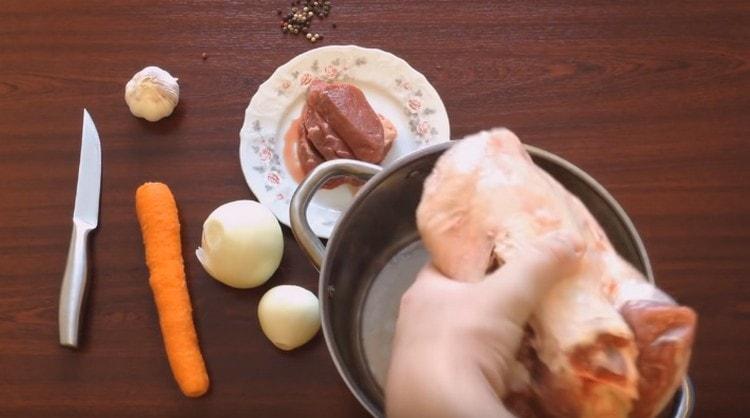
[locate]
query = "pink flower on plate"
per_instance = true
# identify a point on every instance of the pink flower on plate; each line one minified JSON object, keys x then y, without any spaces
{"x":331,"y":72}
{"x":423,"y":128}
{"x":414,"y":105}
{"x":279,"y":196}
{"x":286,"y":84}
{"x":406,"y":85}
{"x":305,"y":79}
{"x":265,"y":153}
{"x":273,"y":177}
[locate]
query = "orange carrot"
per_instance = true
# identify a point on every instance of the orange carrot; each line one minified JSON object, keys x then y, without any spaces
{"x":157,"y":214}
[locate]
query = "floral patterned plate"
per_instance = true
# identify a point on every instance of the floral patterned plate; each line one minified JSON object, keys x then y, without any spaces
{"x":393,"y":88}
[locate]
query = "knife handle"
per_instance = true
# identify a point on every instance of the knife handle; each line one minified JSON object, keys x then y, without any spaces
{"x":73,"y":286}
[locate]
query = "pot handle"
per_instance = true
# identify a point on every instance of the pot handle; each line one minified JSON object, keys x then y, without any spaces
{"x":305,"y":236}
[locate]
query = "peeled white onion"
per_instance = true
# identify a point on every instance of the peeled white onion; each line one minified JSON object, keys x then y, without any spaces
{"x":289,"y":316}
{"x":241,"y":245}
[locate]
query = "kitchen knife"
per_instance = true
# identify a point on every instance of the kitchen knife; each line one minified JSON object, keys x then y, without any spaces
{"x":85,"y":220}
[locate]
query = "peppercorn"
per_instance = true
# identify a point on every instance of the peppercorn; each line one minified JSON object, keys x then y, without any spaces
{"x":302,"y":14}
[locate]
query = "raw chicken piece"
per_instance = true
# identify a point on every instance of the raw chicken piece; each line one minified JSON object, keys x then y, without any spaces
{"x":485,"y":199}
{"x":664,"y":335}
{"x":483,"y":204}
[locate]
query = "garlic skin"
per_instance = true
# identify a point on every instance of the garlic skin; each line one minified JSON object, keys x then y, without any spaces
{"x":152,"y":94}
{"x":289,"y":316}
{"x":242,"y":244}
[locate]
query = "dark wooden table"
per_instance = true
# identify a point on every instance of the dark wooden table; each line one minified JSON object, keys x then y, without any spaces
{"x":650,"y":97}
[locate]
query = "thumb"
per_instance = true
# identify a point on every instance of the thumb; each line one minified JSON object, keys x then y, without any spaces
{"x":520,"y":284}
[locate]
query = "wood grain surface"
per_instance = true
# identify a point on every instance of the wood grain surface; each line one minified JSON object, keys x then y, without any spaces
{"x":650,"y":97}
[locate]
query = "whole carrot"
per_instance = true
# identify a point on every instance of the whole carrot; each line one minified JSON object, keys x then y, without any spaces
{"x":157,"y":214}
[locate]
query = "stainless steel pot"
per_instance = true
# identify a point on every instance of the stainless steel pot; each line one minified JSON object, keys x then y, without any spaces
{"x":374,"y":253}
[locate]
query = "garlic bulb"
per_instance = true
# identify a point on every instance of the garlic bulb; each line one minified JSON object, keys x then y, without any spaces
{"x":289,"y":316}
{"x":242,"y":244}
{"x":152,"y":94}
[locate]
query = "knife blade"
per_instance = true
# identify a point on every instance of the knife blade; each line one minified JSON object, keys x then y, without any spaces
{"x":85,"y":220}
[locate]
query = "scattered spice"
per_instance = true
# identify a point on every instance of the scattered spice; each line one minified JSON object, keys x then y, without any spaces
{"x":300,"y":17}
{"x":204,"y":56}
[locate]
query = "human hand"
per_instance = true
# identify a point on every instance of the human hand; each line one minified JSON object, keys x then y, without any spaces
{"x":456,"y":342}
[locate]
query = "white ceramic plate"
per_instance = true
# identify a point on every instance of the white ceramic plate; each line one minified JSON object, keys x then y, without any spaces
{"x":391,"y":85}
